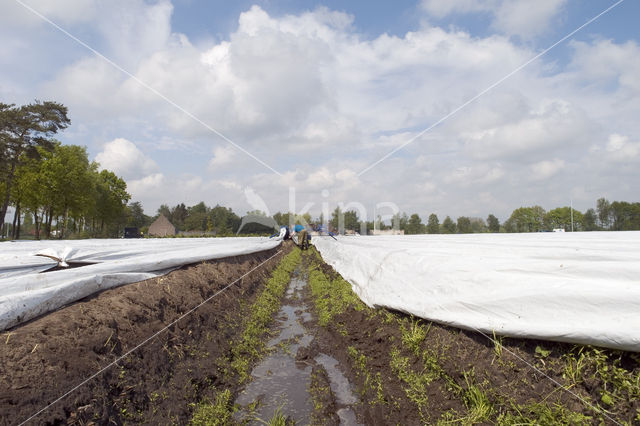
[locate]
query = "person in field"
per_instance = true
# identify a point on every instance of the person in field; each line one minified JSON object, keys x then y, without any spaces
{"x":303,"y":237}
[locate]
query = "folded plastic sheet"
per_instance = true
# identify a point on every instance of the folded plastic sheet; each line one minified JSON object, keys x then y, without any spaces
{"x":568,"y":287}
{"x":27,"y":290}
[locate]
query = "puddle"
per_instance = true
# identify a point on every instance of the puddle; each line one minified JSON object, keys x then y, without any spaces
{"x":291,"y":327}
{"x":280,"y":382}
{"x":341,"y":388}
{"x":339,"y":384}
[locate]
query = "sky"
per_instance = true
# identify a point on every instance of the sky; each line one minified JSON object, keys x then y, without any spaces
{"x":449,"y":107}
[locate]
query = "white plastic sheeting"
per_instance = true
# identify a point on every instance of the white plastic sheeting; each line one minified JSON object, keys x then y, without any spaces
{"x":26,"y":293}
{"x":570,"y":287}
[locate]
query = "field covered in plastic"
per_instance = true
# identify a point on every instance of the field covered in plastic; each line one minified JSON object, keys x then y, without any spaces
{"x":569,"y":287}
{"x":27,"y":290}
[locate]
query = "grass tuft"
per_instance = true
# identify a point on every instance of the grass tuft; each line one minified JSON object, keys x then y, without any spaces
{"x":216,"y":413}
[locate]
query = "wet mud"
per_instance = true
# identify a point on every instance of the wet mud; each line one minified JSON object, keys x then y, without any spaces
{"x":282,"y":382}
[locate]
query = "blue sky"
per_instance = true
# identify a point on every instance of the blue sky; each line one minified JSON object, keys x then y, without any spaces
{"x":320,"y":91}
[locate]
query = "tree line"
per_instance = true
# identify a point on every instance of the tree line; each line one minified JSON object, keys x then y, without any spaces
{"x":606,"y":216}
{"x":201,"y":219}
{"x":54,"y":189}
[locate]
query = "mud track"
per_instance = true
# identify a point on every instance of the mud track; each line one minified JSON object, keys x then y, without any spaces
{"x":46,"y":357}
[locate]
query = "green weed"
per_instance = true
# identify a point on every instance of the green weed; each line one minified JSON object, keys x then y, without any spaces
{"x":497,"y":348}
{"x":331,"y":297}
{"x":574,"y":367}
{"x":542,"y":414}
{"x":414,"y":335}
{"x":373,"y":383}
{"x":479,"y":407}
{"x":318,"y":392}
{"x":216,"y":413}
{"x":416,"y":383}
{"x":278,"y":419}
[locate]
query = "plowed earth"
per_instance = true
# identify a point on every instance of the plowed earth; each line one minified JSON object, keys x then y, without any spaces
{"x":46,"y":357}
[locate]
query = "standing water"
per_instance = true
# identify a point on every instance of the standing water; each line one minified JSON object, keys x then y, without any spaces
{"x":279,"y":382}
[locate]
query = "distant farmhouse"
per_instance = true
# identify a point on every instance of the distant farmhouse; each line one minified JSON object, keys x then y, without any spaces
{"x":162,"y":227}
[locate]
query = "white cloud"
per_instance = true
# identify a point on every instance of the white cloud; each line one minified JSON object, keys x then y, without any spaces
{"x":524,"y":18}
{"x":604,"y":61}
{"x":222,"y":156}
{"x":479,"y":174}
{"x":620,"y":149}
{"x":125,"y":159}
{"x":552,"y":127}
{"x":440,"y":9}
{"x":61,"y":11}
{"x":546,"y":168}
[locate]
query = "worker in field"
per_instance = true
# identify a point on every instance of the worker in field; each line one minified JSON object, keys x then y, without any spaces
{"x":303,"y":237}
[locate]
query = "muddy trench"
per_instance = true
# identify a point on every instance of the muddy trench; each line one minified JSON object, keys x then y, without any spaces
{"x":281,"y":383}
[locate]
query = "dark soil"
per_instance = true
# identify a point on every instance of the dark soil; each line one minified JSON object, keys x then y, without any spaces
{"x":156,"y":384}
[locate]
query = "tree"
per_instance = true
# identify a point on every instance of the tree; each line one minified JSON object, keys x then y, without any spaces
{"x":625,"y":216}
{"x":478,"y":225}
{"x":178,"y":215}
{"x":351,"y":220}
{"x":337,"y":220}
{"x":448,"y":226}
{"x":281,"y":219}
{"x":111,"y":200}
{"x":201,"y":207}
{"x":560,"y":218}
{"x":135,"y":215}
{"x":493,"y":223}
{"x":196,"y":221}
{"x":22,"y":130}
{"x":464,"y":225}
{"x":164,"y":210}
{"x":526,"y":219}
{"x":433,"y":224}
{"x":604,"y":212}
{"x":415,"y":226}
{"x":303,"y":219}
{"x":400,"y":221}
{"x":196,"y":218}
{"x":223,"y":220}
{"x":73,"y":183}
{"x":28,"y":192}
{"x":589,"y":220}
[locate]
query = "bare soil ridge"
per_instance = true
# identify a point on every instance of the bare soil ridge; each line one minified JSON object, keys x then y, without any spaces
{"x":156,"y":384}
